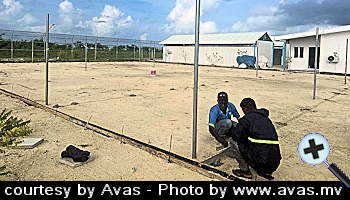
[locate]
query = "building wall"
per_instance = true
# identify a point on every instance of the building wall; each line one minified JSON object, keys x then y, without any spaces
{"x":300,"y":63}
{"x":334,"y":43}
{"x":209,"y":55}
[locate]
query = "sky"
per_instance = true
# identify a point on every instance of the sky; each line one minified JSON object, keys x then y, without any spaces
{"x":159,"y":19}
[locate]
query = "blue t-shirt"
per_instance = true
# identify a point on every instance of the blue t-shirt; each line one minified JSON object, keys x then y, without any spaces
{"x":216,"y":114}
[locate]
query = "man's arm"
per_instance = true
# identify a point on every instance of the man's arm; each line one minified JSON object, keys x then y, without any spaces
{"x":235,"y":113}
{"x":240,"y":132}
{"x":217,"y":137}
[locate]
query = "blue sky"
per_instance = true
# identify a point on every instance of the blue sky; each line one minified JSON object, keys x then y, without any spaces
{"x":158,"y":19}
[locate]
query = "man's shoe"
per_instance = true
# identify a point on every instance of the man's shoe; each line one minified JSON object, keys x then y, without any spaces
{"x":267,"y":176}
{"x":243,"y":174}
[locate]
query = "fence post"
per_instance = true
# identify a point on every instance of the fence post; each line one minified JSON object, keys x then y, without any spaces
{"x":149,"y":53}
{"x":316,"y":63}
{"x":32,"y":50}
{"x":96,"y":49}
{"x":12,"y":46}
{"x":47,"y":61}
{"x":116,"y":51}
{"x":346,"y":60}
{"x":86,"y":51}
{"x":140,"y":52}
{"x":134,"y":51}
{"x":44,"y":48}
{"x":154,"y":51}
{"x":72,"y":50}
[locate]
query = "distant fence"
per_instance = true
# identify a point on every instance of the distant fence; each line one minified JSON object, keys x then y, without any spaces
{"x":24,"y":46}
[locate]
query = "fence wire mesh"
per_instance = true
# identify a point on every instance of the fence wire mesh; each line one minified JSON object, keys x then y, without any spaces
{"x":30,"y":47}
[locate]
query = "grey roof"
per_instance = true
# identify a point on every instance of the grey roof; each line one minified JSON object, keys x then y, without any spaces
{"x":225,"y":38}
{"x":323,"y":31}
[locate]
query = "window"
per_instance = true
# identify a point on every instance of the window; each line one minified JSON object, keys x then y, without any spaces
{"x":301,"y":53}
{"x":296,"y":52}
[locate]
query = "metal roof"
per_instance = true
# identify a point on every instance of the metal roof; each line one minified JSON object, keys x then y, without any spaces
{"x":225,"y":38}
{"x":323,"y":31}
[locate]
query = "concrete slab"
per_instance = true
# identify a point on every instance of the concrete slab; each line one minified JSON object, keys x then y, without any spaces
{"x":72,"y":164}
{"x":28,"y":143}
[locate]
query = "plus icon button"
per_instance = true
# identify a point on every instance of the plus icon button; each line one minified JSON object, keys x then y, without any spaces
{"x":314,"y":149}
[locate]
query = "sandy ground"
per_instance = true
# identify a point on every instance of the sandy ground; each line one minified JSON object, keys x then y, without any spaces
{"x":163,"y":105}
{"x":113,"y":160}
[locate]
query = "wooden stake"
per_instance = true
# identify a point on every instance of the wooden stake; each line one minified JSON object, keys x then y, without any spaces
{"x":171,"y":140}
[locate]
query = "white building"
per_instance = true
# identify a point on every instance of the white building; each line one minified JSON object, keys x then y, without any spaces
{"x":332,"y":50}
{"x":219,"y":49}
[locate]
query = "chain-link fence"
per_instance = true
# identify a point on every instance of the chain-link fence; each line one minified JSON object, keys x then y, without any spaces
{"x":30,"y":47}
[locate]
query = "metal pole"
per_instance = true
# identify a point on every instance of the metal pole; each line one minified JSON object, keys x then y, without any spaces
{"x":116,"y":51}
{"x":86,"y":51}
{"x":316,"y":64}
{"x":47,"y":61}
{"x":154,"y":54}
{"x":134,"y":51}
{"x":140,"y":52}
{"x":195,"y":88}
{"x":284,"y":56}
{"x":96,"y":50}
{"x":32,"y":50}
{"x":154,"y":51}
{"x":346,"y":59}
{"x":257,"y":59}
{"x":12,"y":46}
{"x":72,"y":50}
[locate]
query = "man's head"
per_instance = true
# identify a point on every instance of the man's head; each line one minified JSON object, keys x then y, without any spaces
{"x":248,"y":105}
{"x":222,"y":101}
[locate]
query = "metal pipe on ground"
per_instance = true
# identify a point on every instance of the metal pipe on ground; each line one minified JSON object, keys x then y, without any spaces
{"x":193,"y":165}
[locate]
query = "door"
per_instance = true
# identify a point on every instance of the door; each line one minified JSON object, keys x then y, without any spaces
{"x":312,"y":55}
{"x":277,"y":56}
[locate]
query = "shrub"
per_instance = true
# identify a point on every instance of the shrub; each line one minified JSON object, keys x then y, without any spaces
{"x":11,"y":128}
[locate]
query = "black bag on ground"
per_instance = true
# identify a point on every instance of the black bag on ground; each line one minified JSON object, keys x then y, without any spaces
{"x":76,"y":154}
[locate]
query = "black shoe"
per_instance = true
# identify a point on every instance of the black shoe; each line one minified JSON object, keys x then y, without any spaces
{"x":243,"y":174}
{"x":267,"y":176}
{"x":76,"y":154}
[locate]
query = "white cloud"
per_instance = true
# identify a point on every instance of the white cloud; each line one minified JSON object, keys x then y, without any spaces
{"x":305,"y":16}
{"x":110,"y":22}
{"x":208,"y":27}
{"x":27,"y":19}
{"x":144,"y":36}
{"x":182,"y":17}
{"x":10,"y":9}
{"x":68,"y":16}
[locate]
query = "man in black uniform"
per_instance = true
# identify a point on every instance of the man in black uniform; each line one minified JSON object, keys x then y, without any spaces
{"x":257,"y":142}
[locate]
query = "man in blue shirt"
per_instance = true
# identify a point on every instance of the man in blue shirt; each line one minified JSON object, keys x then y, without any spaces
{"x":220,"y":121}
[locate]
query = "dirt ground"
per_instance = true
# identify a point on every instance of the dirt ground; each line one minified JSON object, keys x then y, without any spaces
{"x":125,"y":98}
{"x":113,"y":160}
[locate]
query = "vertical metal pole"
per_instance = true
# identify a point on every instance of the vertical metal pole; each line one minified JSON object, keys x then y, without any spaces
{"x":96,"y":50}
{"x":284,"y":56}
{"x":195,"y":88}
{"x":86,"y":51}
{"x":12,"y":46}
{"x":47,"y":62}
{"x":316,"y":63}
{"x":346,"y":60}
{"x":116,"y":51}
{"x":45,"y":48}
{"x":154,"y":51}
{"x":257,"y":59}
{"x":134,"y":51}
{"x":72,"y":50}
{"x":140,"y":52}
{"x":154,"y":55}
{"x":32,"y":50}
{"x":149,"y":53}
